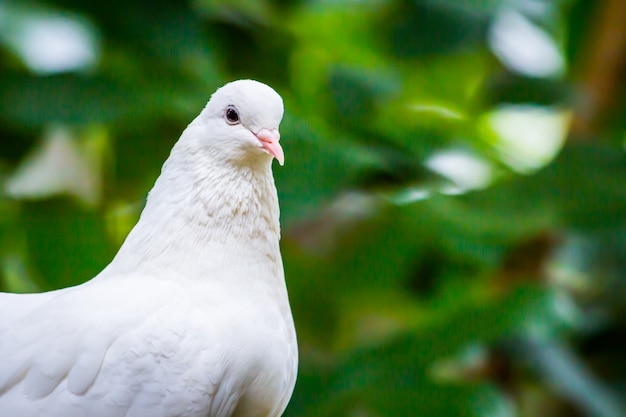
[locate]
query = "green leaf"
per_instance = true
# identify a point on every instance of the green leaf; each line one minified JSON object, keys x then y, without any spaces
{"x":418,"y":28}
{"x":583,"y":187}
{"x":67,"y":245}
{"x":66,"y":98}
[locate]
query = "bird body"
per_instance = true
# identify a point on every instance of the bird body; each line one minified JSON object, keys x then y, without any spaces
{"x":191,"y":318}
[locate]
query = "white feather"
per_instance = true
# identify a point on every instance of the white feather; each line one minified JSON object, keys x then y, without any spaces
{"x":191,"y":318}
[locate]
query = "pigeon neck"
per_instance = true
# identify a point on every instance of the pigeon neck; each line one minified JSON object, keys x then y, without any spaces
{"x":203,"y":213}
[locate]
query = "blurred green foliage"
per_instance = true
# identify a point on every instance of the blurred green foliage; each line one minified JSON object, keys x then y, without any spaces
{"x":454,"y":245}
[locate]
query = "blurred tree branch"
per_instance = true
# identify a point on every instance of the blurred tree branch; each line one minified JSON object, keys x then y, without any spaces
{"x":602,"y":70}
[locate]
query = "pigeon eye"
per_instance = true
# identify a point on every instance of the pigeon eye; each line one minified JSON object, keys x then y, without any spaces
{"x":231,"y":114}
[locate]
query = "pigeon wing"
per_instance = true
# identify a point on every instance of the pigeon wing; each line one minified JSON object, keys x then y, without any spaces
{"x":112,"y":347}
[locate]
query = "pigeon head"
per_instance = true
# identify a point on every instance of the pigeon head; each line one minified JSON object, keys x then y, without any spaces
{"x":240,"y":123}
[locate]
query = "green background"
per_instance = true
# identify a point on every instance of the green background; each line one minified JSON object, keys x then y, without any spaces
{"x":453,"y":201}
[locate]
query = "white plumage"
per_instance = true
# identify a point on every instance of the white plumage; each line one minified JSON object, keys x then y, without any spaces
{"x":191,"y":318}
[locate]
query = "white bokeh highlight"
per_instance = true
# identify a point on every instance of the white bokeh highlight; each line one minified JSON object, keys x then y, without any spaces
{"x":47,"y":42}
{"x":524,"y":47}
{"x":528,"y":137}
{"x":465,"y":169}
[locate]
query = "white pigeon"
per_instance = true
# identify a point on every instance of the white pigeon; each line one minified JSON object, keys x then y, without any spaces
{"x":191,"y":318}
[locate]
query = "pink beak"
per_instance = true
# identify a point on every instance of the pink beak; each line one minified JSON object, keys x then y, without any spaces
{"x":269,"y":141}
